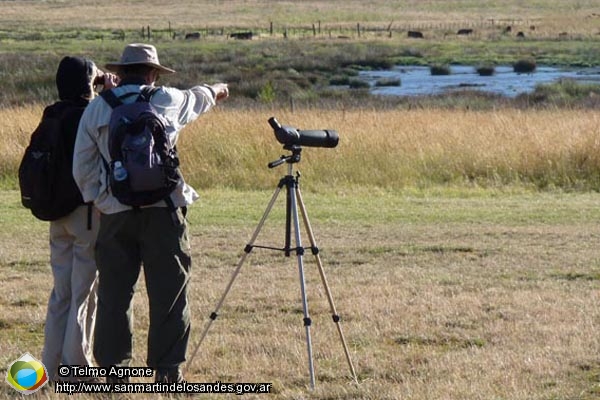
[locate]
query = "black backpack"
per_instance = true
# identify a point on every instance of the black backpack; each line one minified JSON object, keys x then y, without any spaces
{"x":144,"y":165}
{"x":46,"y":170}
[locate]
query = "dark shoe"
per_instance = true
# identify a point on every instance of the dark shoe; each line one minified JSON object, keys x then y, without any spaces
{"x":168,"y":375}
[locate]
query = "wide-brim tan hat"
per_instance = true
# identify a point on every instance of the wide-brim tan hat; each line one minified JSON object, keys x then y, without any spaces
{"x":139,"y":53}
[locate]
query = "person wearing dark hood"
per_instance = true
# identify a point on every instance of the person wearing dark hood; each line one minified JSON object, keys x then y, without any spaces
{"x":72,"y":304}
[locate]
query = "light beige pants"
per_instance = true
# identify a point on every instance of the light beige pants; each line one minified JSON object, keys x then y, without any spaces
{"x":72,"y":304}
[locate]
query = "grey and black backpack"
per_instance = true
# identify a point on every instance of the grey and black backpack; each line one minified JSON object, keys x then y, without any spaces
{"x":144,"y":166}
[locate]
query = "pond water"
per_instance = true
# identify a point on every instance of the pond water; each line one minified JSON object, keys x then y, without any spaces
{"x":417,"y":80}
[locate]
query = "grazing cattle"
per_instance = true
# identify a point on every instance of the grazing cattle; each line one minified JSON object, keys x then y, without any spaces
{"x":193,"y":35}
{"x":464,"y":31}
{"x":520,"y":34}
{"x":415,"y":34}
{"x":241,"y":35}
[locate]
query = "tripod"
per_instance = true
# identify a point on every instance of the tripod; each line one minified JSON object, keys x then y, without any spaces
{"x":293,"y":200}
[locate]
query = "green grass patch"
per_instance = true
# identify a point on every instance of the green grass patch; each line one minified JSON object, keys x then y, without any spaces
{"x":428,"y":282}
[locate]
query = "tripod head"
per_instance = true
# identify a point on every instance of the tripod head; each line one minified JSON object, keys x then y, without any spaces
{"x":290,"y":158}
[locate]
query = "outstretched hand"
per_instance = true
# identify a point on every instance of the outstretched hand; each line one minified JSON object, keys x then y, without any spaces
{"x":221,"y":91}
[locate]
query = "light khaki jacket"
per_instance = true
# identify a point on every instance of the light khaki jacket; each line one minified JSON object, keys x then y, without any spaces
{"x":178,"y":107}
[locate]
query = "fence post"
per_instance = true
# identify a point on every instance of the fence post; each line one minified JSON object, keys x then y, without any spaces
{"x":358,"y":28}
{"x":148,"y":32}
{"x":271,"y":28}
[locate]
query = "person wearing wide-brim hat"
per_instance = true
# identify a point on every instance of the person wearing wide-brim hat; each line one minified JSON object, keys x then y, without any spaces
{"x":130,"y":237}
{"x":139,"y":54}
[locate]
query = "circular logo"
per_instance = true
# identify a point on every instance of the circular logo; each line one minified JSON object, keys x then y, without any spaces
{"x":26,"y":374}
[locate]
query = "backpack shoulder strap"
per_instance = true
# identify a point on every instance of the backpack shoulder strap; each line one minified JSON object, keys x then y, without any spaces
{"x":111,"y":98}
{"x":114,"y":101}
{"x":146,"y":93}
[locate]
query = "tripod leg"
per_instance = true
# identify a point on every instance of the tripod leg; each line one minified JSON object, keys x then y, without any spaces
{"x":315,"y":251}
{"x":299,"y":252}
{"x":247,"y":250}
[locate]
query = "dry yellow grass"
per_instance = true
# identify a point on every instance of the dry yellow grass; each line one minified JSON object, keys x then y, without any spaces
{"x":392,"y":149}
{"x":549,"y":16}
{"x":18,"y":125}
{"x":401,"y":148}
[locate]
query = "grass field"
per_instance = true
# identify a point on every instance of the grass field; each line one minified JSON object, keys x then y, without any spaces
{"x":475,"y":295}
{"x":255,"y":13}
{"x":298,"y":48}
{"x":393,"y":149}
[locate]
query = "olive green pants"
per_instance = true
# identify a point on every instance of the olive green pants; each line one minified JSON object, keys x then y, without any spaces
{"x":126,"y":241}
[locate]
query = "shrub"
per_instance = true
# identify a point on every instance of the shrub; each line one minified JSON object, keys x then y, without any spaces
{"x":563,"y":93}
{"x":267,"y":93}
{"x":349,"y":71}
{"x":388,"y":82}
{"x":410,"y":52}
{"x":486,"y":70}
{"x":524,"y":66}
{"x":359,"y":84}
{"x":440,"y":70}
{"x":340,"y":81}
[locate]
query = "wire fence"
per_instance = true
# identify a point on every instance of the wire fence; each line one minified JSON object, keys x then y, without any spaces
{"x":319,"y":29}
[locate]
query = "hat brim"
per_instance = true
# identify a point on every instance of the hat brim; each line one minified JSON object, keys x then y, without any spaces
{"x":114,"y":67}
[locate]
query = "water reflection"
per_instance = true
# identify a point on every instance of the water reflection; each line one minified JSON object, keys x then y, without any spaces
{"x":419,"y":81}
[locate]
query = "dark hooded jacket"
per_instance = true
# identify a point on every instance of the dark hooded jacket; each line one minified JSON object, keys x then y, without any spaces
{"x":73,"y":81}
